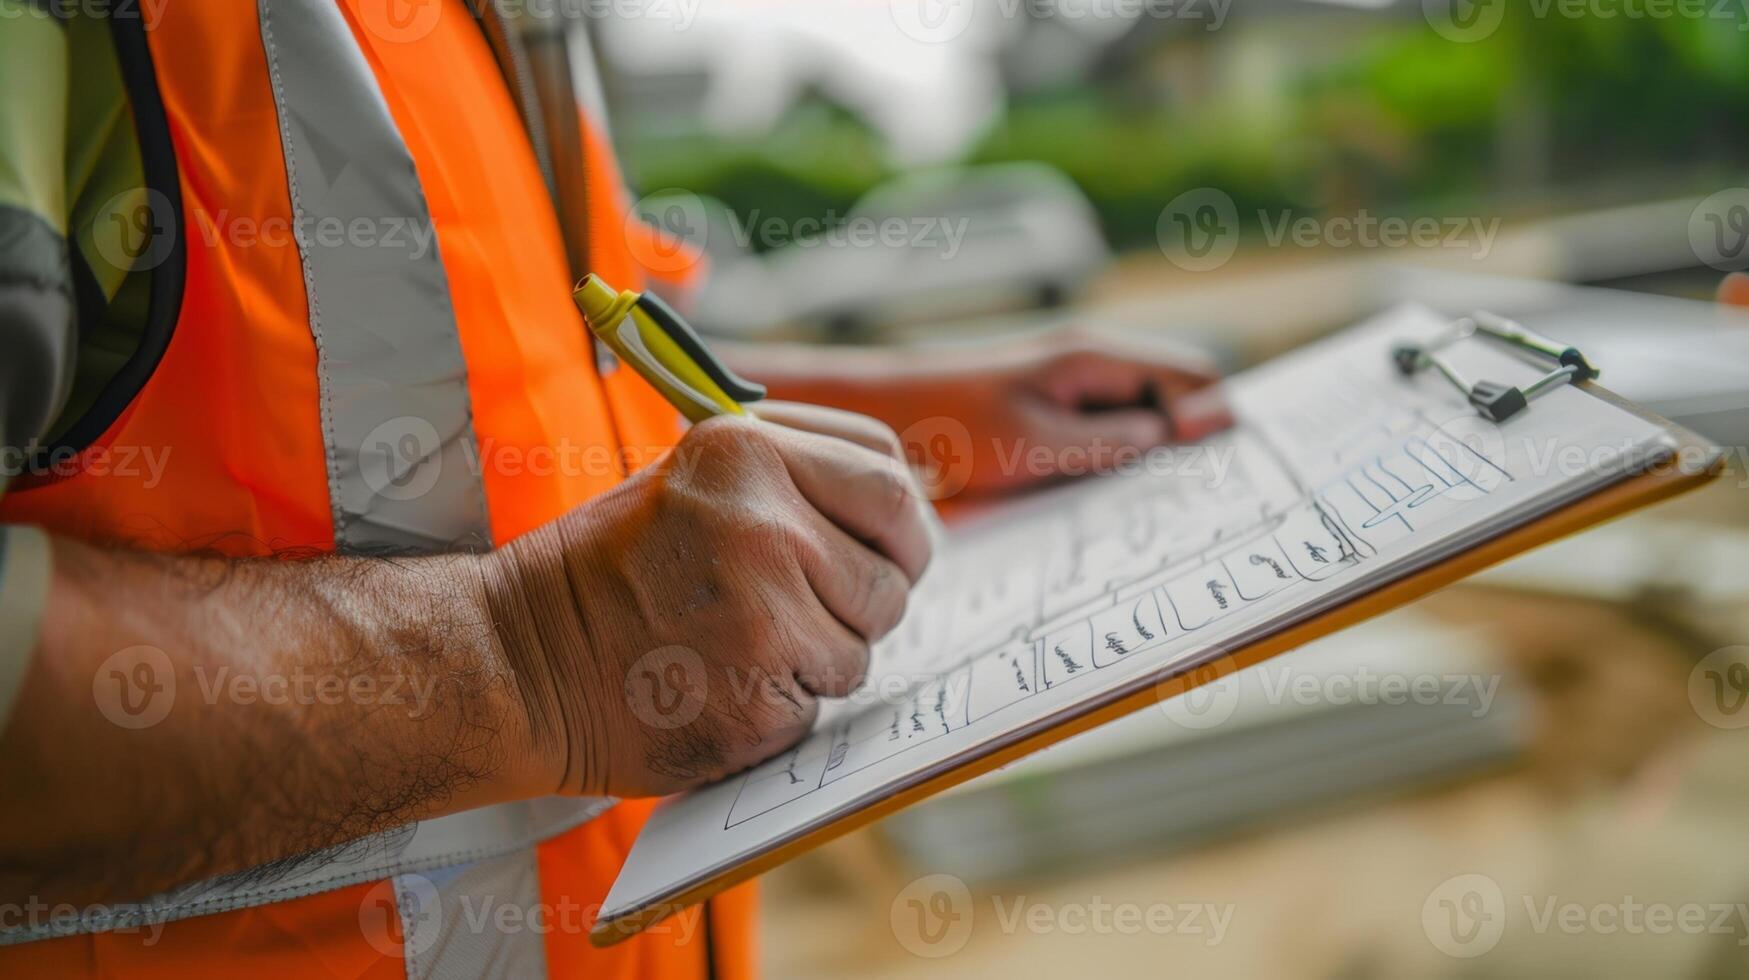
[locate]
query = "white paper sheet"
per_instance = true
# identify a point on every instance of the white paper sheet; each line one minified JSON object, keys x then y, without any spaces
{"x":1340,"y":476}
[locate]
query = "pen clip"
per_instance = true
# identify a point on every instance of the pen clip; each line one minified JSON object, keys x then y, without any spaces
{"x":679,"y":331}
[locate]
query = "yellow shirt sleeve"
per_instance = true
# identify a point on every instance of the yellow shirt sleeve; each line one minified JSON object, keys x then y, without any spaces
{"x":37,"y":328}
{"x":33,"y":112}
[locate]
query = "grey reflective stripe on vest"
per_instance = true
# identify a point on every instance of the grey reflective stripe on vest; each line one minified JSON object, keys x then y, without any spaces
{"x":396,"y":418}
{"x":484,"y":919}
{"x":426,"y":848}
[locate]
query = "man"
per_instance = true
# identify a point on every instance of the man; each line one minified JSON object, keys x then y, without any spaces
{"x":342,"y":582}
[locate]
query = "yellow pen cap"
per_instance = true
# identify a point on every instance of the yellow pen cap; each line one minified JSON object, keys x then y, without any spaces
{"x":662,"y":347}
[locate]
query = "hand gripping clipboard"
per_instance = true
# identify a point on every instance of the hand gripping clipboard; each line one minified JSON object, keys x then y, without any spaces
{"x":1688,"y":464}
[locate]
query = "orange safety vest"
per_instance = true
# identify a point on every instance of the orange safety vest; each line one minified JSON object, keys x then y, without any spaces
{"x":367,"y":342}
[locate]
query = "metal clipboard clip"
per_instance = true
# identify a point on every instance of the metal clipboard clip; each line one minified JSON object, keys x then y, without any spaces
{"x":1495,"y":401}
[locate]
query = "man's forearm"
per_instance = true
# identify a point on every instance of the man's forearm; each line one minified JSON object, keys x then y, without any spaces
{"x":185,"y":717}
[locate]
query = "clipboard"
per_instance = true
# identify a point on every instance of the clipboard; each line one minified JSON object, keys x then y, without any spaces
{"x":1689,"y":464}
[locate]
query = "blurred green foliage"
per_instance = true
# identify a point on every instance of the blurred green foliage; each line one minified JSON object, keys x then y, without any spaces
{"x":819,"y":159}
{"x":1548,"y":113}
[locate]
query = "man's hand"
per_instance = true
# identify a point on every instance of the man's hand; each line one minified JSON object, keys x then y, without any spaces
{"x":681,"y":627}
{"x":1015,"y":415}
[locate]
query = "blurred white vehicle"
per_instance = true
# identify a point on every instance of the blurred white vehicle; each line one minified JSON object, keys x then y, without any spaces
{"x":943,"y":243}
{"x":931,"y":245}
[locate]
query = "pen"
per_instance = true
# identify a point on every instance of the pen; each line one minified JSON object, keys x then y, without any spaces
{"x":662,"y":347}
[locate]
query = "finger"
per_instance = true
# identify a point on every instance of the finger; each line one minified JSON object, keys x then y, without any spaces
{"x":849,"y":426}
{"x":864,"y":591}
{"x":746,"y":720}
{"x":854,"y":427}
{"x":834,"y":664}
{"x":872,"y":497}
{"x":767,"y":714}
